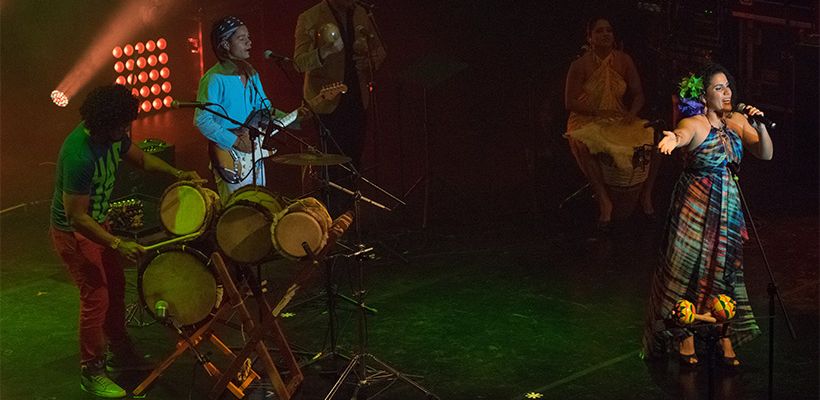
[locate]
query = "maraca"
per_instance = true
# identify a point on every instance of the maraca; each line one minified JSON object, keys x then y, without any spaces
{"x":328,"y":33}
{"x":684,"y":313}
{"x":722,"y":307}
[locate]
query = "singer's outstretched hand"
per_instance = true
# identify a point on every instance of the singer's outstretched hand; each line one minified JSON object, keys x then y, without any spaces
{"x":668,"y":143}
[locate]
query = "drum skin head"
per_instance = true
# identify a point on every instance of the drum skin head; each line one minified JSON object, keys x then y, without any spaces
{"x":183,"y":209}
{"x":185,"y":282}
{"x":243,"y":228}
{"x":294,"y":228}
{"x":243,"y":233}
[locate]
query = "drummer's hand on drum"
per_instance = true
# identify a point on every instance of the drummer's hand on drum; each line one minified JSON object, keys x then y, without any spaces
{"x":243,"y":141}
{"x":130,"y":249}
{"x":668,"y":143}
{"x":188,"y":176}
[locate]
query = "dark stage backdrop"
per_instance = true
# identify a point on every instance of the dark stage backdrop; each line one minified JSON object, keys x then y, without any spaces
{"x":488,"y":75}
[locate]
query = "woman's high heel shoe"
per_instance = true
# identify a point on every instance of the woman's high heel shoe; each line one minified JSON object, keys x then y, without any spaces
{"x":688,"y":360}
{"x":729,"y":362}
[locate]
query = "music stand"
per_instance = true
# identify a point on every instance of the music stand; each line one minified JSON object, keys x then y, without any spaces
{"x":428,"y":73}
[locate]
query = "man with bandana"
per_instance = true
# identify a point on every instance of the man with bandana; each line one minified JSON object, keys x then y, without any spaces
{"x":86,"y":171}
{"x":233,"y":86}
{"x":352,"y":58}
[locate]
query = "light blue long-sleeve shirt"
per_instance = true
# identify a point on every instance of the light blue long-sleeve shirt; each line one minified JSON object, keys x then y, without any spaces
{"x":222,"y":85}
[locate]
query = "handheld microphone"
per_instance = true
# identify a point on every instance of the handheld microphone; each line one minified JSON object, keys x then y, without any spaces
{"x":190,"y":104}
{"x":270,"y":55}
{"x":161,"y":309}
{"x":743,"y":108}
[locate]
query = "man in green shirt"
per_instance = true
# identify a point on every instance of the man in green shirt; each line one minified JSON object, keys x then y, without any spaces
{"x":86,"y":170}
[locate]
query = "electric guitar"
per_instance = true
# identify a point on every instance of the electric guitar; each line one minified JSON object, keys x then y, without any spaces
{"x":235,"y":166}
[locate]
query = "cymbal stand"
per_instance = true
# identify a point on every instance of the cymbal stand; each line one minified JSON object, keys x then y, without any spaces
{"x":358,"y":364}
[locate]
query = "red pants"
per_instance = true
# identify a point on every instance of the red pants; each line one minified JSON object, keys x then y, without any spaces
{"x":97,"y":272}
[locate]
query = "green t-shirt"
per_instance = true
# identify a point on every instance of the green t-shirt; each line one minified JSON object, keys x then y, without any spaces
{"x":86,"y":167}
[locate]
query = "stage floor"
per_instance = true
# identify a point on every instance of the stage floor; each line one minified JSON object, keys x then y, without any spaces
{"x":495,"y":309}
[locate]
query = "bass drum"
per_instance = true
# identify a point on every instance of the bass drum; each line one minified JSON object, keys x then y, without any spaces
{"x":183,"y":278}
{"x":243,"y":228}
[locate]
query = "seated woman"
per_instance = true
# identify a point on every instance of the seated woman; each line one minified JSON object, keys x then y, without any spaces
{"x":598,"y":83}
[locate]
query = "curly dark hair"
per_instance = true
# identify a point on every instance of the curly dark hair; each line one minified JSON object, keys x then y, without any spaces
{"x":108,"y":108}
{"x":694,"y":106}
{"x":709,"y":70}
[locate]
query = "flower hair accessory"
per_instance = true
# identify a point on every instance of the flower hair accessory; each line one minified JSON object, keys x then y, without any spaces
{"x":691,"y":87}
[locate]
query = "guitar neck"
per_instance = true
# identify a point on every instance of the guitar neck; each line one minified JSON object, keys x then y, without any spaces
{"x":285,"y":121}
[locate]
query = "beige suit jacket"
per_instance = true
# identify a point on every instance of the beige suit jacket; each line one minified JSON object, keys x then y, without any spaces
{"x":332,"y":69}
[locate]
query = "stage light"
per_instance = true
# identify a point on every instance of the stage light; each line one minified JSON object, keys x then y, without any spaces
{"x":119,"y":66}
{"x":143,"y":77}
{"x":157,"y":104}
{"x":193,"y":45}
{"x":141,"y":62}
{"x":150,"y":45}
{"x":154,"y":74}
{"x":152,"y":60}
{"x":155,"y":89}
{"x":129,"y":65}
{"x":165,"y":72}
{"x":144,"y":91}
{"x":135,"y":92}
{"x":146,"y":106}
{"x":112,"y":39}
{"x":140,"y":48}
{"x":166,"y":87}
{"x":59,"y":98}
{"x":120,"y":80}
{"x":161,"y":43}
{"x":163,"y":58}
{"x":167,"y":101}
{"x":131,"y":79}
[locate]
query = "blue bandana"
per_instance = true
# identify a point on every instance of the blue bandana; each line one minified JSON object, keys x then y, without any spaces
{"x":223,"y":30}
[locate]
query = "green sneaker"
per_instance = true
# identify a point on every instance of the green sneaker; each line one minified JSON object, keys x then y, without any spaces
{"x":99,"y":384}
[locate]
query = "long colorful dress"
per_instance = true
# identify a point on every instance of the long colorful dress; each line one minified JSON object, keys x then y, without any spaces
{"x":702,"y":254}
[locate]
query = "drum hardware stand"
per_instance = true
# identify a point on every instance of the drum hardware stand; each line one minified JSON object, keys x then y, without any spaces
{"x":234,"y":300}
{"x":358,"y":364}
{"x":772,"y":288}
{"x":573,"y":195}
{"x":350,"y":168}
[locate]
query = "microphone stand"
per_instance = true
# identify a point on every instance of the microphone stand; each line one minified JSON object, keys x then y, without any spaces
{"x":772,"y":288}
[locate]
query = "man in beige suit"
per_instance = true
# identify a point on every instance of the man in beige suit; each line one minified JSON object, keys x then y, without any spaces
{"x":350,"y":56}
{"x":352,"y":59}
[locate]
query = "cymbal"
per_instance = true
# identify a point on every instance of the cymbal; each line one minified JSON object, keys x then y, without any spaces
{"x":310,"y":159}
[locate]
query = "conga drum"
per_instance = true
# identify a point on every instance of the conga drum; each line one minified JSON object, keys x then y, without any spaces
{"x":186,"y":208}
{"x":624,"y":153}
{"x":183,"y":278}
{"x":243,"y":227}
{"x":303,"y":221}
